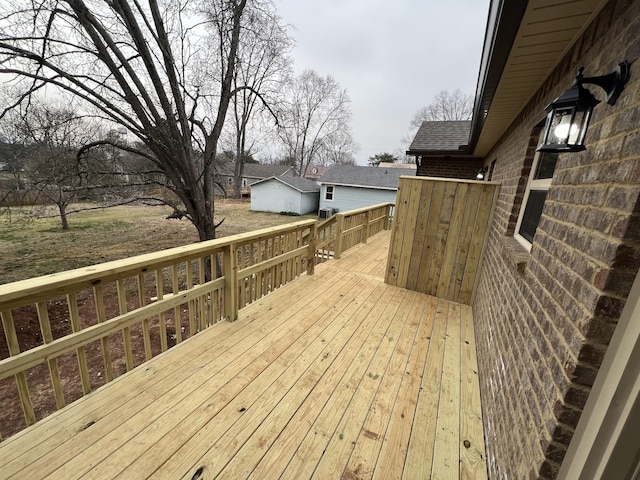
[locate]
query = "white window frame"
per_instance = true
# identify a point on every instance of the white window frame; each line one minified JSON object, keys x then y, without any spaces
{"x":333,"y":193}
{"x":542,"y":184}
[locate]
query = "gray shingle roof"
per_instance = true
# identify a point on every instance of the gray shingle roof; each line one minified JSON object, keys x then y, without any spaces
{"x":297,"y":183}
{"x":373,"y":177}
{"x":441,"y":136}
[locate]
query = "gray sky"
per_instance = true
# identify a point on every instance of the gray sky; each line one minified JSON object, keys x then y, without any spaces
{"x":392,"y":56}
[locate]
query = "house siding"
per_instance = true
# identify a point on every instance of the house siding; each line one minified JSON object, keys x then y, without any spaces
{"x":349,"y":198}
{"x":273,"y":196}
{"x":464,"y":168}
{"x":544,"y":320}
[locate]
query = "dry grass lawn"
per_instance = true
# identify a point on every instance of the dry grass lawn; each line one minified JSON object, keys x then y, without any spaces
{"x":40,"y":247}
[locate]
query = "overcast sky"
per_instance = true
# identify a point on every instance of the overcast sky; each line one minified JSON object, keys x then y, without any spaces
{"x":392,"y":56}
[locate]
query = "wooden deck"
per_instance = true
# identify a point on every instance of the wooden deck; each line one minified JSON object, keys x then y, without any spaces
{"x":336,"y":375}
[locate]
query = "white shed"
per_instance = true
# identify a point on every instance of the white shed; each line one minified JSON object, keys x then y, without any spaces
{"x":285,"y":194}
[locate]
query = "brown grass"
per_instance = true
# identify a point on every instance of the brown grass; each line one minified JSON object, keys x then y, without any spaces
{"x":40,"y":247}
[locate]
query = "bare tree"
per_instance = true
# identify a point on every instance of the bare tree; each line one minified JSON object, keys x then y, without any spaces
{"x":338,"y":149}
{"x":446,"y":105}
{"x":132,"y":63}
{"x":316,"y":109}
{"x":263,"y":63}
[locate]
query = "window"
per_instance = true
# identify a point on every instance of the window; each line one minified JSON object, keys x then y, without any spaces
{"x":244,"y":182}
{"x":543,"y":166}
{"x":328,"y":194}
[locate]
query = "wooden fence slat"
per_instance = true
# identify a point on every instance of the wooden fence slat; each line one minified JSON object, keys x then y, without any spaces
{"x":126,"y":335}
{"x":21,"y":380}
{"x":52,"y":363}
{"x":146,"y":330}
{"x":81,"y":353}
{"x":453,"y":238}
{"x":177,"y":316}
{"x":461,"y":261}
{"x":162,"y":315}
{"x":416,"y":265}
{"x":104,"y":341}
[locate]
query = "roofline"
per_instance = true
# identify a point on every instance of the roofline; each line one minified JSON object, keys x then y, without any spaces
{"x":279,"y":179}
{"x":458,"y":153}
{"x":358,"y":186}
{"x":503,"y":23}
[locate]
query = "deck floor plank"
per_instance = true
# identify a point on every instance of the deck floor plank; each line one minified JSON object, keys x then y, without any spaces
{"x":420,"y":456}
{"x":336,"y":375}
{"x":228,"y":433}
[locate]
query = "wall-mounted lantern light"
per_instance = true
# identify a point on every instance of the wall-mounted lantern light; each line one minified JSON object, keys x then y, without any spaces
{"x":482,"y":173}
{"x":568,"y":115}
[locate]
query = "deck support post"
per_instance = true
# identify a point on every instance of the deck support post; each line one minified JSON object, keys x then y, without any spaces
{"x":365,"y":227}
{"x":230,"y":268}
{"x":311,"y":255}
{"x":339,"y":229}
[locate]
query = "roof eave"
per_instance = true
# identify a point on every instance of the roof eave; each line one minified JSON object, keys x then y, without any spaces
{"x":503,"y":23}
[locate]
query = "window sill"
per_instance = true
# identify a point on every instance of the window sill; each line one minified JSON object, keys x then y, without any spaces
{"x":515,"y":253}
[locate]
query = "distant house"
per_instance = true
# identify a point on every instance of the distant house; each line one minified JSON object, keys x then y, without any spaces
{"x":441,"y":150}
{"x":314,"y":172}
{"x":348,"y":187}
{"x":285,"y":194}
{"x":253,"y":172}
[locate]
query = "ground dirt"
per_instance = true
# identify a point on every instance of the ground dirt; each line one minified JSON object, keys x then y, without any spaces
{"x":33,"y":248}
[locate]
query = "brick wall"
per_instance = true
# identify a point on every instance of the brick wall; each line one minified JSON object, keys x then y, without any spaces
{"x":544,"y":318}
{"x":464,"y":168}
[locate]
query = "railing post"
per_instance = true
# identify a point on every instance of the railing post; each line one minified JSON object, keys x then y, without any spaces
{"x":387,"y":220}
{"x":311,"y":255}
{"x":339,"y":228}
{"x":230,"y":271}
{"x":365,"y":227}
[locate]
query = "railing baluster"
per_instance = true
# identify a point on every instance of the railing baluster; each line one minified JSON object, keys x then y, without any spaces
{"x":162,"y":315}
{"x":192,"y":303}
{"x":102,"y":317}
{"x":81,"y":353}
{"x":126,"y":335}
{"x":177,"y":318}
{"x":146,"y":330}
{"x":202,"y":321}
{"x":52,"y":363}
{"x":21,"y":379}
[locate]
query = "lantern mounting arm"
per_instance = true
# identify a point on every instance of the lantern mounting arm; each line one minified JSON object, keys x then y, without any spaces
{"x":612,"y":83}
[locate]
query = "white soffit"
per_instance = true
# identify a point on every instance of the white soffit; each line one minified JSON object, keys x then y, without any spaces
{"x":548,"y":30}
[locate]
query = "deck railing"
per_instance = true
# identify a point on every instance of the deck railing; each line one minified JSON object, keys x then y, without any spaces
{"x":95,"y":323}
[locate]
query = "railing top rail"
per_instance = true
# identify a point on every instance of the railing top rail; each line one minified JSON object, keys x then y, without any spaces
{"x":358,"y":211}
{"x":86,"y":275}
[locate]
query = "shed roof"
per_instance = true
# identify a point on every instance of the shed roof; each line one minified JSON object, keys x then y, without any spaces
{"x":297,"y":183}
{"x":441,"y":136}
{"x":371,"y":177}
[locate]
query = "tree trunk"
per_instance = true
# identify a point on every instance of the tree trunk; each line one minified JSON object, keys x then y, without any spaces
{"x":62,"y":208}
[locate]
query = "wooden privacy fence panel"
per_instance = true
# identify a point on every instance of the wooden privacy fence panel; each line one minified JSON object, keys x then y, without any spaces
{"x":439,"y":235}
{"x":96,"y":323}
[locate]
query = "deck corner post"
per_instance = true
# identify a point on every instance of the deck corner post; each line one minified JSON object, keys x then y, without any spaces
{"x":339,"y":230}
{"x":230,"y":271}
{"x":365,"y":227}
{"x":311,"y":255}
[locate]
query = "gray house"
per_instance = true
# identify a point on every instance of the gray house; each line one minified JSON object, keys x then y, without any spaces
{"x":285,"y":194}
{"x":345,"y":187}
